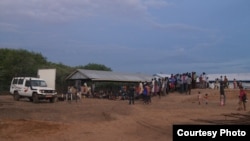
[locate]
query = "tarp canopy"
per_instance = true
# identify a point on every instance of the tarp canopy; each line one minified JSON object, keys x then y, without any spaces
{"x":161,"y":75}
{"x":97,"y":75}
{"x":230,"y":76}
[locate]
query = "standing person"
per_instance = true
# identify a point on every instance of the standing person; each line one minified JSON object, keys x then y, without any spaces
{"x":145,"y":93}
{"x":69,"y":94}
{"x":124,"y":92}
{"x":73,"y":92}
{"x":153,"y":86}
{"x":235,"y":83}
{"x":242,"y":99}
{"x":131,"y":95}
{"x":163,"y":86}
{"x":216,"y":84}
{"x":207,"y":82}
{"x":226,"y":82}
{"x":184,"y":79}
{"x":148,"y":94}
{"x":204,"y":80}
{"x":140,"y":88}
{"x":189,"y":84}
{"x":180,"y":83}
{"x":222,"y":94}
{"x":167,"y":85}
{"x":206,"y":98}
{"x":92,"y":89}
{"x":194,"y":77}
{"x":159,"y":86}
{"x":172,"y":83}
{"x":84,"y":90}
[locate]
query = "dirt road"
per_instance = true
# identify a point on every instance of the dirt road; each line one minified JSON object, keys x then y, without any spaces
{"x":112,"y":120}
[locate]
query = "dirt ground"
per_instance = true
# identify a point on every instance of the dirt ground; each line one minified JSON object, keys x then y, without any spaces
{"x":114,"y":120}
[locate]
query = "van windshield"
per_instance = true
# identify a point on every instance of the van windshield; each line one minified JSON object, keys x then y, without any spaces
{"x":38,"y":83}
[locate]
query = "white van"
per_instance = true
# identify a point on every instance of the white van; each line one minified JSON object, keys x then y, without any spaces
{"x":33,"y":88}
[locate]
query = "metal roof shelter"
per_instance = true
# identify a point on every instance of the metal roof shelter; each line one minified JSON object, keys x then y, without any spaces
{"x":97,"y":75}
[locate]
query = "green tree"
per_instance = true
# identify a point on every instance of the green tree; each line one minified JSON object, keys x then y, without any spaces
{"x":94,"y":66}
{"x":20,"y":62}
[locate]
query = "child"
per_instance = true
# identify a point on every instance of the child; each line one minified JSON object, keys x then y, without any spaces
{"x":199,"y":97}
{"x":242,"y":99}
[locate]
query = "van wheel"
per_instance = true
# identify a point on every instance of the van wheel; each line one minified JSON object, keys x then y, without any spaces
{"x":35,"y":98}
{"x":31,"y":99}
{"x":16,"y":96}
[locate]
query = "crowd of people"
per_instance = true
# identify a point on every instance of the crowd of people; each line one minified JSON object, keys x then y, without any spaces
{"x":181,"y":82}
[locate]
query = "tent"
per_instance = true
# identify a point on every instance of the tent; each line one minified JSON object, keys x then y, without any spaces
{"x":161,"y":75}
{"x":245,"y":77}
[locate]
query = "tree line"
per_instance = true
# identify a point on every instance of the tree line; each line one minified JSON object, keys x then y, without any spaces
{"x":21,"y":62}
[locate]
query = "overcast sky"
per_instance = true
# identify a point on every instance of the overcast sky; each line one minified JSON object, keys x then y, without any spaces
{"x":147,"y":36}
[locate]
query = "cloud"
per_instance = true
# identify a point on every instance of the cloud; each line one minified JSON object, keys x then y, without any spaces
{"x":44,"y":9}
{"x":8,"y":27}
{"x":65,"y":10}
{"x":180,"y":27}
{"x":156,"y":3}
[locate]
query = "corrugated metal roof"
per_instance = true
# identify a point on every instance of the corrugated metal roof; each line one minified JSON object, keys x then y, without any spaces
{"x":97,"y":75}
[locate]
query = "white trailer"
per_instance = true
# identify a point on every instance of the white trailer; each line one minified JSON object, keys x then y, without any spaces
{"x":49,"y":75}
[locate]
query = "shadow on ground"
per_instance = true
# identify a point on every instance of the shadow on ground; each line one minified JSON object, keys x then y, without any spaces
{"x":229,"y":119}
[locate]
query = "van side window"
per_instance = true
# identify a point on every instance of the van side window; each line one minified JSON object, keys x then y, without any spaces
{"x":20,"y":81}
{"x":27,"y":83}
{"x":15,"y":81}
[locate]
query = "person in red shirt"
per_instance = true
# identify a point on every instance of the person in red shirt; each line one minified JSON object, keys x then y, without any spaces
{"x":242,"y":99}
